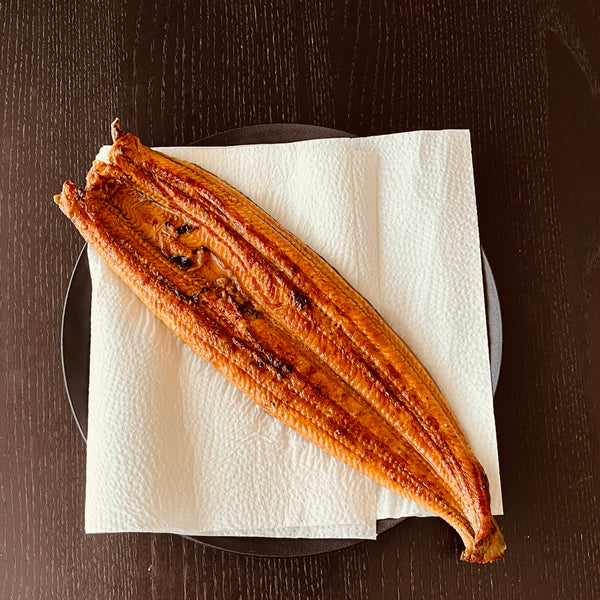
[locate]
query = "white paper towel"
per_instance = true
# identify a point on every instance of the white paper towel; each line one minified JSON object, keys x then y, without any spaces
{"x":173,"y":447}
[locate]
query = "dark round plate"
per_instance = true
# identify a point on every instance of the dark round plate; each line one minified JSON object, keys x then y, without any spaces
{"x":75,"y":338}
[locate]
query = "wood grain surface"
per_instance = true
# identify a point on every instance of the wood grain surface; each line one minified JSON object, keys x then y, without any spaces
{"x":523,"y":76}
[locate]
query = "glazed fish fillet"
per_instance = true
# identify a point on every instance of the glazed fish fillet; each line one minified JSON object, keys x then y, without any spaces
{"x":279,"y":323}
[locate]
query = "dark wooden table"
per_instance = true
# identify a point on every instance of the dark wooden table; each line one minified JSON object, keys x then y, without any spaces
{"x":523,"y":76}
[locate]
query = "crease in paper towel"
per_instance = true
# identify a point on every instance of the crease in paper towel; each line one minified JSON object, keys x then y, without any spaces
{"x":162,"y":458}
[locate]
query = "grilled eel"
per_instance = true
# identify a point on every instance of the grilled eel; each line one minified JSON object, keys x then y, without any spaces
{"x":282,"y":325}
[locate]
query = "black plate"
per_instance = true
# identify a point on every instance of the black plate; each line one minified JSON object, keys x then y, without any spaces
{"x":76,"y":347}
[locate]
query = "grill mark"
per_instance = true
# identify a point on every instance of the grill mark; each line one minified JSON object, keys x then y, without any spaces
{"x":185,"y":228}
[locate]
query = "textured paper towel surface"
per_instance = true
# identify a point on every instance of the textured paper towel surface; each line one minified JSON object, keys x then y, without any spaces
{"x":173,"y":447}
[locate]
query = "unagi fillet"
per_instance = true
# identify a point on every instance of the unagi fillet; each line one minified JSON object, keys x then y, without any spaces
{"x":282,"y":325}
